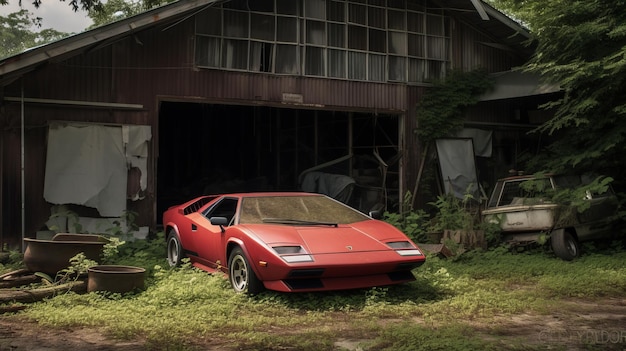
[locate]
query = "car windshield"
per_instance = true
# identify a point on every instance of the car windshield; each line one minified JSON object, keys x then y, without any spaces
{"x":297,"y":210}
{"x":513,"y":193}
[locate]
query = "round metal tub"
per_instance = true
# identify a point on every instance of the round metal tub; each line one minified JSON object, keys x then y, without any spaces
{"x":51,"y":256}
{"x":115,"y":278}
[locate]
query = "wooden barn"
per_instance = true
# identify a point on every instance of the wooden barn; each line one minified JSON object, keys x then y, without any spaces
{"x":206,"y":96}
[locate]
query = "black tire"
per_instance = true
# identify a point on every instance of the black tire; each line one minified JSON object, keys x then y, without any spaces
{"x":565,"y":245}
{"x":241,"y":275}
{"x":174,"y":249}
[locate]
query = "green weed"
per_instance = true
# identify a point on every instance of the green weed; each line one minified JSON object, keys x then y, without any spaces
{"x":184,"y":308}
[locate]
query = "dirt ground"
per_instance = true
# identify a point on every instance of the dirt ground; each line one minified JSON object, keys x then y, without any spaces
{"x":577,"y":325}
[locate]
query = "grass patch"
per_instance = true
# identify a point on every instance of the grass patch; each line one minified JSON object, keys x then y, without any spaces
{"x":411,"y":337}
{"x":187,"y":309}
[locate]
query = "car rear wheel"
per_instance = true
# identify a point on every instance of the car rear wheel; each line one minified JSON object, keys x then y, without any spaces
{"x":174,"y":249}
{"x":565,"y":245}
{"x":241,"y":275}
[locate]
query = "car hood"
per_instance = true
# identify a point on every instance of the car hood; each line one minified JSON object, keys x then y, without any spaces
{"x":325,"y":239}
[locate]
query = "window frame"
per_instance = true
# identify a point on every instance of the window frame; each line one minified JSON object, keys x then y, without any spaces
{"x":415,"y":48}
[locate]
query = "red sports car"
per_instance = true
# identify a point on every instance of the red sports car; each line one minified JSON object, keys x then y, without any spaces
{"x":288,"y":242}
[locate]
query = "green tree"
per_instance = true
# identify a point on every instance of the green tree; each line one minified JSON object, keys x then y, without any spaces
{"x":100,"y":8}
{"x":75,"y":4}
{"x":16,"y":35}
{"x":580,"y":45}
{"x":114,"y":10}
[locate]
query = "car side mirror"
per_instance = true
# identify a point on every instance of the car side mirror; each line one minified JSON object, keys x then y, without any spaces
{"x":221,"y":221}
{"x":376,"y":214}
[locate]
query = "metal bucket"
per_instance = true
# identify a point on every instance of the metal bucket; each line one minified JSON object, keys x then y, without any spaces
{"x":51,"y":256}
{"x":115,"y":278}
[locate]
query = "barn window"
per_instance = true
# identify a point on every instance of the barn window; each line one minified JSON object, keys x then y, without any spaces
{"x":377,"y":40}
{"x":316,"y":32}
{"x":285,"y":29}
{"x":336,"y":11}
{"x":235,"y":54}
{"x":261,"y":55}
{"x":396,"y":68}
{"x":336,"y":35}
{"x":336,"y":63}
{"x":236,"y":24}
{"x":315,"y":61}
{"x":286,"y":59}
{"x":377,"y":67}
{"x":374,"y":40}
{"x":263,"y":25}
{"x":315,"y":9}
{"x":286,"y":7}
{"x":357,"y":63}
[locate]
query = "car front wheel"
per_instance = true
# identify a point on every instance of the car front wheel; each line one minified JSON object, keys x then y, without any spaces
{"x":241,"y":275}
{"x":565,"y":245}
{"x":174,"y":249}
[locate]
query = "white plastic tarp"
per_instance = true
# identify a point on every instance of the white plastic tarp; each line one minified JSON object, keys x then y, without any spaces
{"x":481,"y":140}
{"x":458,"y":167}
{"x":88,"y":164}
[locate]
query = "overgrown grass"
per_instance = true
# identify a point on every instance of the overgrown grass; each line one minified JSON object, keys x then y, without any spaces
{"x":184,"y":309}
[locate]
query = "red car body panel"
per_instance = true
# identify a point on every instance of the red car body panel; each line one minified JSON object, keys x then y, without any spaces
{"x":344,"y":255}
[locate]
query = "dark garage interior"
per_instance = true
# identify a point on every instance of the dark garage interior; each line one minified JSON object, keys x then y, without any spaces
{"x":216,"y":148}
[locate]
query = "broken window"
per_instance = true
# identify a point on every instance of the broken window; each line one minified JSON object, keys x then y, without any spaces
{"x":261,"y":56}
{"x":400,"y":42}
{"x":315,"y":61}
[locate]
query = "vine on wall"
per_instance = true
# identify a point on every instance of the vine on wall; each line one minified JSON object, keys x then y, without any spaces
{"x":441,"y":111}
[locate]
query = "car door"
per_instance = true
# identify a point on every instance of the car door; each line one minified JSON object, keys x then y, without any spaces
{"x":208,"y":238}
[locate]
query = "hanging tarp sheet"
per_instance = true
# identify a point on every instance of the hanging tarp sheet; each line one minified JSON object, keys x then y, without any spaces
{"x":88,"y":165}
{"x":481,"y":140}
{"x":458,"y":167}
{"x":136,"y":140}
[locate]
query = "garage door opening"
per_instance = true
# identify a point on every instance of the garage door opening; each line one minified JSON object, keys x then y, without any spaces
{"x":215,"y":148}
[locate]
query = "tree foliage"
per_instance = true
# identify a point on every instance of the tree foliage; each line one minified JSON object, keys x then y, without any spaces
{"x":16,"y":35}
{"x":75,"y":4}
{"x":103,"y":12}
{"x":114,"y":10}
{"x":580,"y":45}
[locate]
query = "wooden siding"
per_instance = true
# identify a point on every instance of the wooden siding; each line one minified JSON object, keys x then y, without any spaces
{"x":471,"y":51}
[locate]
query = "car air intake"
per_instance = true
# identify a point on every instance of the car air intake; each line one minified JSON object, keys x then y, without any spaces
{"x":300,"y":273}
{"x":402,"y":275}
{"x":299,"y":284}
{"x":407,"y":266}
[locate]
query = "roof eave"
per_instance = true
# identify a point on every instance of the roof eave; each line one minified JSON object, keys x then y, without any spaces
{"x":16,"y":65}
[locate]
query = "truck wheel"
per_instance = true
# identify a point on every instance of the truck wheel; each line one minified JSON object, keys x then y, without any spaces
{"x":565,"y":245}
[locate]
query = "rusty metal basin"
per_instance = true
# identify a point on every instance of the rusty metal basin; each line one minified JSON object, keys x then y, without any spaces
{"x":115,"y":278}
{"x":51,"y":256}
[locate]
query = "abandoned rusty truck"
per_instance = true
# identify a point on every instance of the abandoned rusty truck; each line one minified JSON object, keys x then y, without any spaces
{"x":561,"y":210}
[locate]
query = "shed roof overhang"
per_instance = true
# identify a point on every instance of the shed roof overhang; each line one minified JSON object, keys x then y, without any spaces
{"x":505,"y":32}
{"x":13,"y":67}
{"x":516,"y":84}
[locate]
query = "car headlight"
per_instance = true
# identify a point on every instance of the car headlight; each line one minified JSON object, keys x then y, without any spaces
{"x":293,"y":253}
{"x":404,"y":248}
{"x":414,"y":252}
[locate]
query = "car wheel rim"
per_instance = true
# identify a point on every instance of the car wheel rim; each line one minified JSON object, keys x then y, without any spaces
{"x":571,"y":247}
{"x":239,"y":273}
{"x":173,"y":251}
